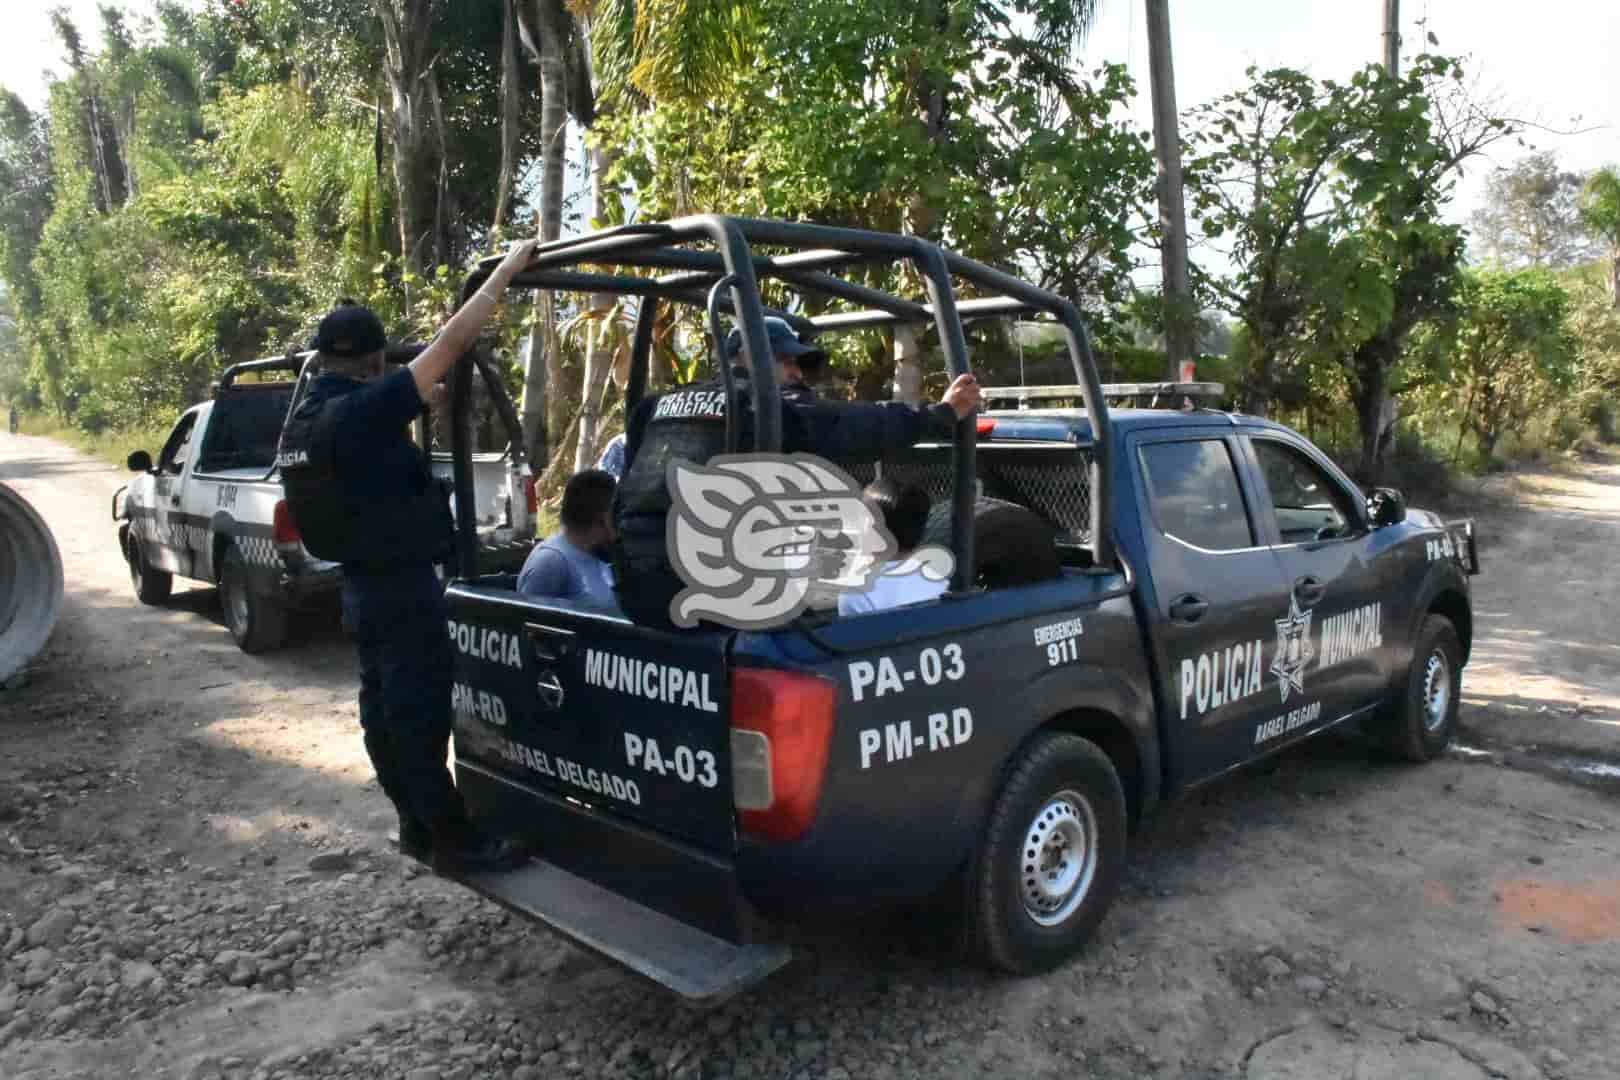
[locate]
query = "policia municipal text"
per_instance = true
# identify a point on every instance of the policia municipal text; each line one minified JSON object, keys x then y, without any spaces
{"x":363,"y":495}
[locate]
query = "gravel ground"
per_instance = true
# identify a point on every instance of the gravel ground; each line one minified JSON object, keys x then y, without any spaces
{"x":195,"y":880}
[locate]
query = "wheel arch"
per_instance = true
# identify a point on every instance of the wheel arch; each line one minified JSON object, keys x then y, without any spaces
{"x":1114,"y":738}
{"x":221,"y":535}
{"x":1453,"y":605}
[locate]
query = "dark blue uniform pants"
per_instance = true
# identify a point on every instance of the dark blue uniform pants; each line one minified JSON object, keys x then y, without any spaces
{"x":399,"y":625}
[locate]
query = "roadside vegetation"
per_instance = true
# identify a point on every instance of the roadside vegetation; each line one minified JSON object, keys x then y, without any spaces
{"x":211,"y":178}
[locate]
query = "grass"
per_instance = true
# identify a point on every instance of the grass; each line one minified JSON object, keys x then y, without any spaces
{"x":111,"y":446}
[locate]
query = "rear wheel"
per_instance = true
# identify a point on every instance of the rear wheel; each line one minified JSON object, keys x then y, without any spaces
{"x":152,"y":586}
{"x":1422,"y":721}
{"x":257,"y":622}
{"x":1050,"y":860}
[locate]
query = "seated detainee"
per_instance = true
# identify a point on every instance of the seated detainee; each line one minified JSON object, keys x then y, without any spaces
{"x":572,"y":564}
{"x":905,"y":513}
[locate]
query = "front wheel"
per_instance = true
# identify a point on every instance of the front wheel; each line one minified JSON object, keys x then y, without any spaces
{"x":1422,"y":721}
{"x":1049,"y":863}
{"x":257,"y":622}
{"x":152,"y":586}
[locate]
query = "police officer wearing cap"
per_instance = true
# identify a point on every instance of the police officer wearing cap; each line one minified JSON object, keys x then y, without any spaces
{"x":363,"y":495}
{"x":690,"y":422}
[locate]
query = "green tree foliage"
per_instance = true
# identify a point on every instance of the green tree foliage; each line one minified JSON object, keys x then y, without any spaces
{"x":964,"y":121}
{"x":1329,"y":199}
{"x":1511,"y":350}
{"x":205,"y":183}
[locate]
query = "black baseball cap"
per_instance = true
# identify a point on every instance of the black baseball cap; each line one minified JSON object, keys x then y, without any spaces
{"x":783,"y":340}
{"x":350,"y":330}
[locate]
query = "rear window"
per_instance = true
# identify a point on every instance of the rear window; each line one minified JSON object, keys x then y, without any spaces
{"x":244,"y":428}
{"x":1194,"y":492}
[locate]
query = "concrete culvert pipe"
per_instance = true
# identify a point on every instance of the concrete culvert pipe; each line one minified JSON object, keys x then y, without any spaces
{"x":30,"y":582}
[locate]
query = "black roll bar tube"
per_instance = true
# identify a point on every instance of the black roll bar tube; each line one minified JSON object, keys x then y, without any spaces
{"x":635,"y":387}
{"x":726,"y":376}
{"x":930,"y":264}
{"x":802,"y":268}
{"x":461,"y":471}
{"x":1085,"y":369}
{"x":751,"y":320}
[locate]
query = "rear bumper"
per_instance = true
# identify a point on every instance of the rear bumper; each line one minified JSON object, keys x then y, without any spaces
{"x":654,"y":871}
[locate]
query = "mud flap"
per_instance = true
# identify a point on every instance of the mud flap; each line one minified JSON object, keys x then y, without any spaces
{"x":698,"y":966}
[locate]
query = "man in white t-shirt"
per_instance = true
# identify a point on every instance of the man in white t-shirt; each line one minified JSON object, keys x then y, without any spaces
{"x":905,"y":513}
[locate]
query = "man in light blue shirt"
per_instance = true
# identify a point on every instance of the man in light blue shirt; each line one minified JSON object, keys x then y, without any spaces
{"x":612,"y":459}
{"x":572,"y":564}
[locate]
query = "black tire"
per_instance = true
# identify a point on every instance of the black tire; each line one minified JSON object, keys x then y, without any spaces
{"x":1057,"y":785}
{"x":152,"y":586}
{"x":1419,"y":724}
{"x":257,"y":622}
{"x":1012,"y":545}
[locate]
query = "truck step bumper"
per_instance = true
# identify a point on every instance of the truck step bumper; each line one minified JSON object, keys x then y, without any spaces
{"x":696,"y":965}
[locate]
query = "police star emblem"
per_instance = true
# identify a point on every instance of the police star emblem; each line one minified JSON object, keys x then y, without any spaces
{"x":1293,"y":649}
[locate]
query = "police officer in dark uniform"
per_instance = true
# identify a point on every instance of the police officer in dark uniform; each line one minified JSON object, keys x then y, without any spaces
{"x":690,"y":422}
{"x":363,"y":495}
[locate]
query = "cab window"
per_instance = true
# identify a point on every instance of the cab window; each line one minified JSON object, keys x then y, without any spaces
{"x":1307,"y":503}
{"x":1194,"y":495}
{"x":173,"y":458}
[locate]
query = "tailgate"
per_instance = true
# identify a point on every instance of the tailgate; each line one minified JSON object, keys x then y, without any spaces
{"x":619,"y":719}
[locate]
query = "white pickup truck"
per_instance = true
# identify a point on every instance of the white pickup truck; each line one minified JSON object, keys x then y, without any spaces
{"x":211,"y":508}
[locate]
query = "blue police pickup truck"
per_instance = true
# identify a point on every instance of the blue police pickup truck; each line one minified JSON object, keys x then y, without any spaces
{"x":1143,"y":599}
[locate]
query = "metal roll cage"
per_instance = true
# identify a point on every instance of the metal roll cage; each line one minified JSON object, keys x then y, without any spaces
{"x":704,"y":278}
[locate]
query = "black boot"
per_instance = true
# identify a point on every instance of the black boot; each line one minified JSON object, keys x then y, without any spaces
{"x":413,"y":838}
{"x":463,"y":848}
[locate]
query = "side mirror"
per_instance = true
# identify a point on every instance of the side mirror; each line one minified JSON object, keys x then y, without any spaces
{"x":1386,"y":506}
{"x":140,"y":461}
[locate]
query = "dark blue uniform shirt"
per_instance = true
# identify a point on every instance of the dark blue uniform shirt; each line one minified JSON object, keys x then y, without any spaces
{"x":375,"y":455}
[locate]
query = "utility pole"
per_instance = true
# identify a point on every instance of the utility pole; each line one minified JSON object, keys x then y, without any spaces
{"x":1178,"y":318}
{"x":1392,"y":38}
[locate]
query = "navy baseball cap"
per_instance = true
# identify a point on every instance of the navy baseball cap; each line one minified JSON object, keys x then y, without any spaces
{"x":783,"y":340}
{"x":350,"y":330}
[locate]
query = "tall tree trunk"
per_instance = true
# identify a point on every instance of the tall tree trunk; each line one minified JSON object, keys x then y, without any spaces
{"x":1375,"y":408}
{"x":511,"y":107}
{"x":908,"y":365}
{"x":598,"y":360}
{"x":544,"y":360}
{"x":98,"y":149}
{"x":407,"y":28}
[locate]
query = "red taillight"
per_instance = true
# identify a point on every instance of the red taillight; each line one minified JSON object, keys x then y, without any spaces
{"x":986,"y":427}
{"x":782,"y":722}
{"x":532,"y":494}
{"x":284,"y":530}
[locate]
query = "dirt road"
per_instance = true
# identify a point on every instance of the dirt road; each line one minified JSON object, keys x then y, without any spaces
{"x":194,"y":880}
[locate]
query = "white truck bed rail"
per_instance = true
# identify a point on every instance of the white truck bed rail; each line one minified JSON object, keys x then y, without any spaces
{"x":1174,"y":394}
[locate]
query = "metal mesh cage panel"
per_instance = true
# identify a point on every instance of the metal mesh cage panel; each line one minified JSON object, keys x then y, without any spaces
{"x":1054,"y":483}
